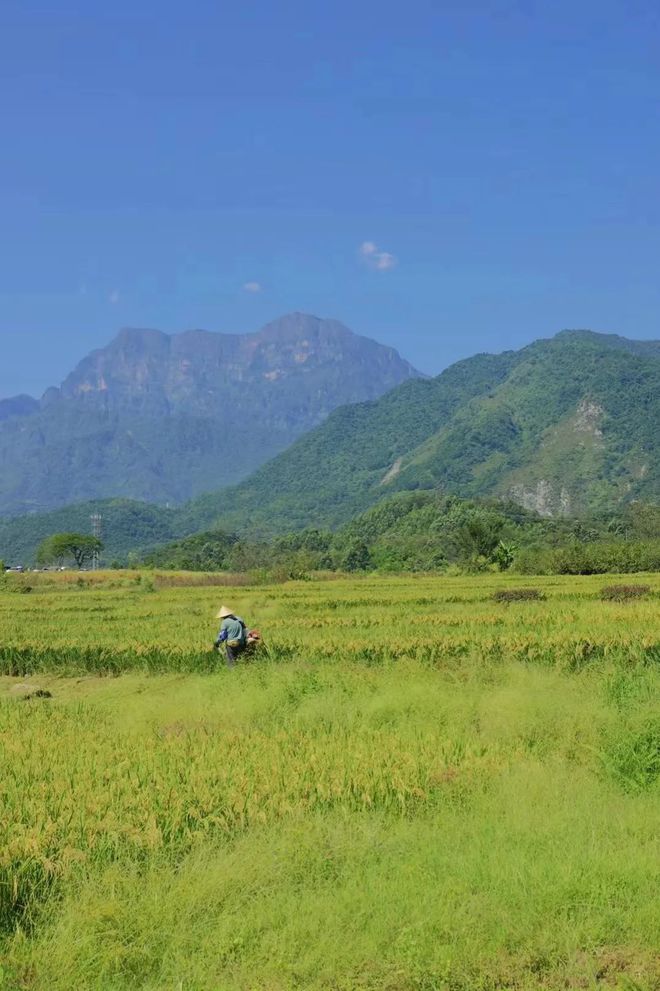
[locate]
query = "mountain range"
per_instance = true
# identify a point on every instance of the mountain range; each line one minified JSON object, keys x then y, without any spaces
{"x":565,"y":426}
{"x":165,"y":417}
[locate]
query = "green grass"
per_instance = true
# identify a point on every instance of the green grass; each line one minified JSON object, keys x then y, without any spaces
{"x":458,"y":822}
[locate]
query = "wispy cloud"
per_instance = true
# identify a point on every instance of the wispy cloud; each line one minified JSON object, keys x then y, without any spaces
{"x":252,"y":286}
{"x":114,"y":296}
{"x":379,"y":260}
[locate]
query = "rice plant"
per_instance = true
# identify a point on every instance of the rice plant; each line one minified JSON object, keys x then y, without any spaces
{"x":414,"y":788}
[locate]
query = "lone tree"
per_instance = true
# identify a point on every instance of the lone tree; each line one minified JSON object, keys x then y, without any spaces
{"x":63,"y":546}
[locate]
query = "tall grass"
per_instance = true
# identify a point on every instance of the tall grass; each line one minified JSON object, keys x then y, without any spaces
{"x":332,"y":826}
{"x":473,"y":806}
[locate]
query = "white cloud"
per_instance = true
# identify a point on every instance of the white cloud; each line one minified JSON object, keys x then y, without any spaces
{"x":252,"y":286}
{"x":379,"y":260}
{"x":114,"y":297}
{"x":385,"y":260}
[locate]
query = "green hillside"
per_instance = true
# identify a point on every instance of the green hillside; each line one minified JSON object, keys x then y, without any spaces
{"x":427,"y":531}
{"x":343,"y":467}
{"x":126,"y":525}
{"x":566,"y":426}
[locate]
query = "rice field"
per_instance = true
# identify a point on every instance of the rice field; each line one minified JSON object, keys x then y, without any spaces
{"x":414,"y":788}
{"x":108,"y":624}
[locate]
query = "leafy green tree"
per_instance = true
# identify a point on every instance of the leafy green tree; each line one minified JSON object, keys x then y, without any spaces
{"x":477,"y":532}
{"x":617,"y":527}
{"x":645,"y":520}
{"x":356,"y":557}
{"x":583,"y":533}
{"x":246,"y":556}
{"x":201,"y":552}
{"x":60,"y":547}
{"x":504,"y":555}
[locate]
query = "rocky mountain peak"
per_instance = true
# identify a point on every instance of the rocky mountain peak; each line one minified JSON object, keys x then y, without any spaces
{"x":149,"y":415}
{"x":17,"y":406}
{"x":155,"y":370}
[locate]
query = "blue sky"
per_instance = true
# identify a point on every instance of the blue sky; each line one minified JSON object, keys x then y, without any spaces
{"x":499,"y":159}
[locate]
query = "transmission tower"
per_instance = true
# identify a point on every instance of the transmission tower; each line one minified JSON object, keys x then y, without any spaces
{"x":97,"y":521}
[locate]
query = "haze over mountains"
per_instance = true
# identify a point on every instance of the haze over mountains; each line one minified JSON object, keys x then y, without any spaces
{"x":165,"y":417}
{"x":564,"y":426}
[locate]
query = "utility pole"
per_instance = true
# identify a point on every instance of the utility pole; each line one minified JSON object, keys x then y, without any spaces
{"x":97,"y":521}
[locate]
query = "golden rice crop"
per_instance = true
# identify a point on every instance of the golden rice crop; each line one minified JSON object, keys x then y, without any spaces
{"x":120,"y":625}
{"x":415,"y":701}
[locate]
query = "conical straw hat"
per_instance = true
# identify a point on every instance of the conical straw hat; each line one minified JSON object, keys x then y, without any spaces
{"x":224,"y":612}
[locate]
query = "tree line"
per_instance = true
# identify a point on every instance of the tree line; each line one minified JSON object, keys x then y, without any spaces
{"x":412,"y":531}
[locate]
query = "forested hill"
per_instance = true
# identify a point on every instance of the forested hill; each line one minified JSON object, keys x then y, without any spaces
{"x":567,"y":426}
{"x":126,"y":526}
{"x":564,"y":426}
{"x":162,"y":417}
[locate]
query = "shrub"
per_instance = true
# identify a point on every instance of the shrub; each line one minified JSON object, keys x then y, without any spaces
{"x":518,"y":595}
{"x":618,"y":557}
{"x":624,"y":593}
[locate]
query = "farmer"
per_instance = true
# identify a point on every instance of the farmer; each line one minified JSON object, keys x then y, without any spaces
{"x":233,"y":634}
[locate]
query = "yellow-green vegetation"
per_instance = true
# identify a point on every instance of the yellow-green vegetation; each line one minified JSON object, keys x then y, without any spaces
{"x":113,"y":622}
{"x":415,"y":788}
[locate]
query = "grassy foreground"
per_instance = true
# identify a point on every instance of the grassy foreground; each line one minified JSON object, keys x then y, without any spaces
{"x":420,"y":819}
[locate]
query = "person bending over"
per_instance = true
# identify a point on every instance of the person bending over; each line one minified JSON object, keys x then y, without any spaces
{"x":233,"y":634}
